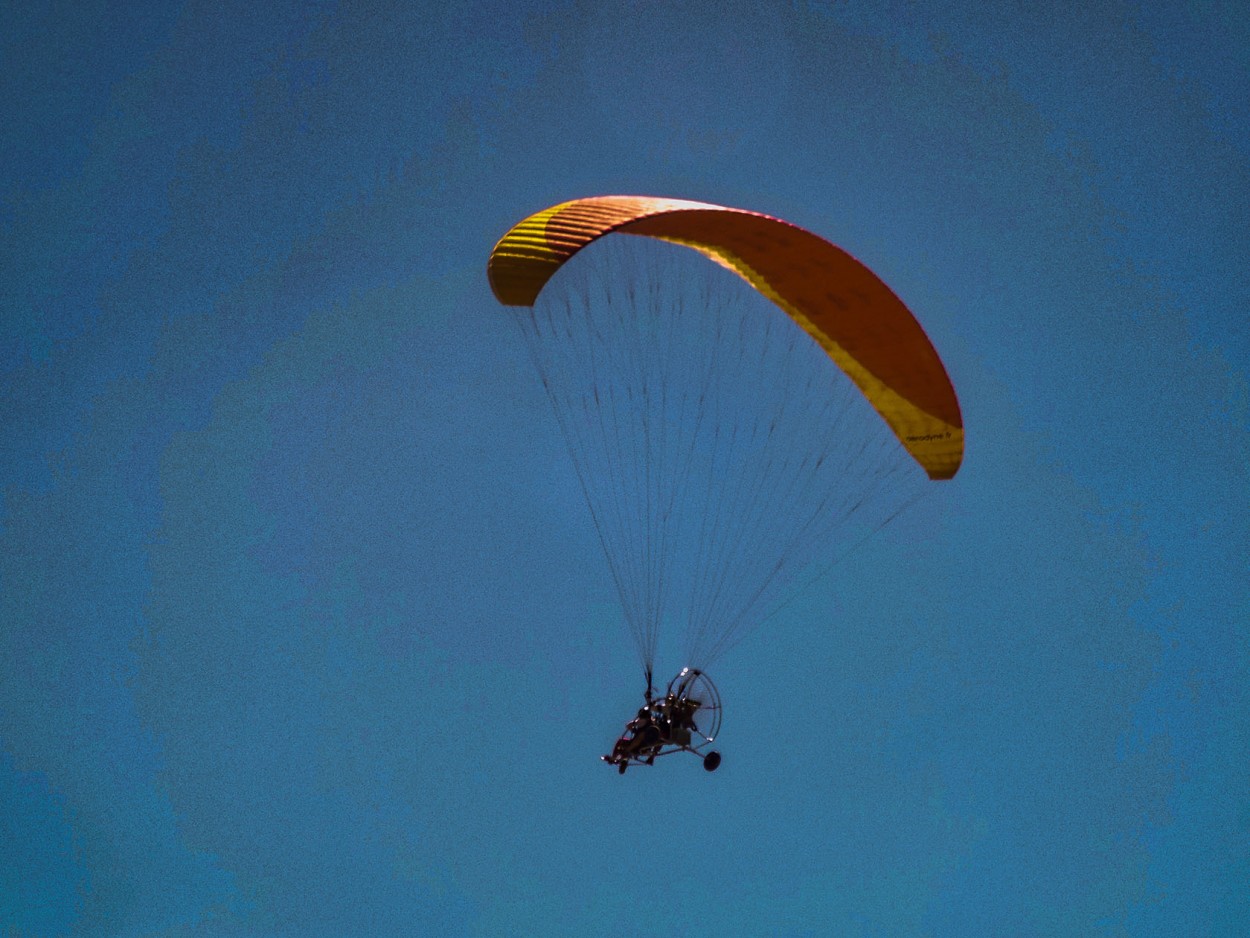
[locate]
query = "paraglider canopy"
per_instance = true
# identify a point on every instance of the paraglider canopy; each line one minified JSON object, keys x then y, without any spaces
{"x":838,"y":301}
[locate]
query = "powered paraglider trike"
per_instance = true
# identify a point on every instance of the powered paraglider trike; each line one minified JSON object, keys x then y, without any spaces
{"x":743,"y":401}
{"x":685,"y":719}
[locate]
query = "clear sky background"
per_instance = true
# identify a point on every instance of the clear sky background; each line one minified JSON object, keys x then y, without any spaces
{"x":304,"y":629}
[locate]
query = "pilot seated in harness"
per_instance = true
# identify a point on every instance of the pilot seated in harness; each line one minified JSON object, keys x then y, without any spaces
{"x":641,"y":740}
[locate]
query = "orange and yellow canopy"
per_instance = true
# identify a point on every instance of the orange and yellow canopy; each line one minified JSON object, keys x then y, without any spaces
{"x":843,"y":305}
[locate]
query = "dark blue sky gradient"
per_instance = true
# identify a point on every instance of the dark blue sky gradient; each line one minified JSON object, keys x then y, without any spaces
{"x":304,"y":628}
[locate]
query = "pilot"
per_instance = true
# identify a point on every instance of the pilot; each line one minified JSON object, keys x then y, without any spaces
{"x":642,"y":735}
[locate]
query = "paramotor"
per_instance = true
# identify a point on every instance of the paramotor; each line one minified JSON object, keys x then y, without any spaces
{"x":735,"y":426}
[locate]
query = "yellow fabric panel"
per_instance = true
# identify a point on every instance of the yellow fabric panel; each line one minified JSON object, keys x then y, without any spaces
{"x":526,"y":257}
{"x":855,"y":317}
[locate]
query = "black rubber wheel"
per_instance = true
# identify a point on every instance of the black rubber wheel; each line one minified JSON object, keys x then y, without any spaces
{"x":620,"y":769}
{"x":711,"y":761}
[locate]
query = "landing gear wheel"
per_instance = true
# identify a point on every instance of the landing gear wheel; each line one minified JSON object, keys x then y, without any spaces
{"x":620,"y":769}
{"x":711,"y":761}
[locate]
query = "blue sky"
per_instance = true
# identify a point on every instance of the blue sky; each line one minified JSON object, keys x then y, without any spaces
{"x":304,"y":628}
